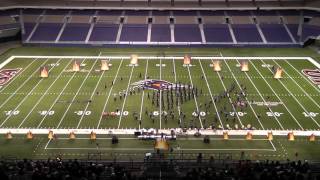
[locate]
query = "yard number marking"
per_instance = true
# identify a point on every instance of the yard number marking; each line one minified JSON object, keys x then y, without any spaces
{"x":310,"y":114}
{"x":277,"y":114}
{"x":44,"y":113}
{"x":11,"y":112}
{"x":80,"y":113}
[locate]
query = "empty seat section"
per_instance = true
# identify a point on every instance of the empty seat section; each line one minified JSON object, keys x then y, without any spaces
{"x":246,"y":33}
{"x":46,"y":32}
{"x":75,"y":32}
{"x":104,"y":32}
{"x":160,"y":33}
{"x":217,"y":33}
{"x":187,"y":33}
{"x":28,"y":27}
{"x":293,"y":28}
{"x":134,"y":32}
{"x":310,"y":31}
{"x":275,"y":33}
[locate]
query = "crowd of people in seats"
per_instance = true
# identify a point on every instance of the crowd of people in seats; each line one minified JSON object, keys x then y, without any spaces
{"x":247,"y":170}
{"x":74,"y":169}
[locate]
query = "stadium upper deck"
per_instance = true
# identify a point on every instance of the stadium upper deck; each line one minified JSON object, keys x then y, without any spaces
{"x":124,"y":27}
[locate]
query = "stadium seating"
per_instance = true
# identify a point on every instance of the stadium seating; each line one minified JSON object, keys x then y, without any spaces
{"x":262,"y":28}
{"x":217,"y":33}
{"x":187,"y":33}
{"x":246,"y":33}
{"x":275,"y":33}
{"x":160,"y":33}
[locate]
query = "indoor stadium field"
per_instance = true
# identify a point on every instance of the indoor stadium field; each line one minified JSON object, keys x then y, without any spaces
{"x":92,"y":100}
{"x":159,"y":89}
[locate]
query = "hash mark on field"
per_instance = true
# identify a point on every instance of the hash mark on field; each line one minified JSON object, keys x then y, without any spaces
{"x":295,"y":119}
{"x":35,"y":86}
{"x":225,"y":89}
{"x":262,"y":98}
{"x":56,"y":100}
{"x":208,"y":86}
{"x":105,"y":104}
{"x":194,"y":96}
{"x":305,"y":93}
{"x":142,"y":97}
{"x":103,"y":94}
{"x":25,"y":118}
{"x":92,"y":94}
{"x":74,"y":97}
{"x":125,"y":98}
{"x":294,"y":97}
{"x":255,"y":114}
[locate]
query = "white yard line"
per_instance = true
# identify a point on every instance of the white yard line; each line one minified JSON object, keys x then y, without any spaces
{"x":26,"y":97}
{"x":194,"y":96}
{"x":149,"y":149}
{"x":214,"y":104}
{"x":105,"y":105}
{"x":224,"y":87}
{"x":6,"y":85}
{"x":160,"y":101}
{"x":263,"y":99}
{"x":92,"y":94}
{"x":255,"y":114}
{"x":40,"y":99}
{"x":294,"y":97}
{"x":27,"y":80}
{"x":299,"y":86}
{"x":295,"y":119}
{"x":142,"y":97}
{"x":56,"y":100}
{"x":74,"y":97}
{"x":307,"y":79}
{"x":167,"y":57}
{"x":125,"y":98}
{"x":175,"y":81}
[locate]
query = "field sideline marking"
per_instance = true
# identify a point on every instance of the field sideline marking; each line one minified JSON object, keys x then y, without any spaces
{"x":294,"y":97}
{"x":181,"y":149}
{"x":277,"y":95}
{"x":40,"y":99}
{"x":301,"y":75}
{"x":7,"y":61}
{"x":74,"y":97}
{"x":208,"y":86}
{"x":299,"y":86}
{"x":92,"y":94}
{"x":25,"y":96}
{"x":56,"y":100}
{"x":173,"y":57}
{"x":195,"y":98}
{"x":255,"y":114}
{"x":125,"y":98}
{"x":15,"y":77}
{"x":262,"y":98}
{"x":142,"y":97}
{"x":105,"y":104}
